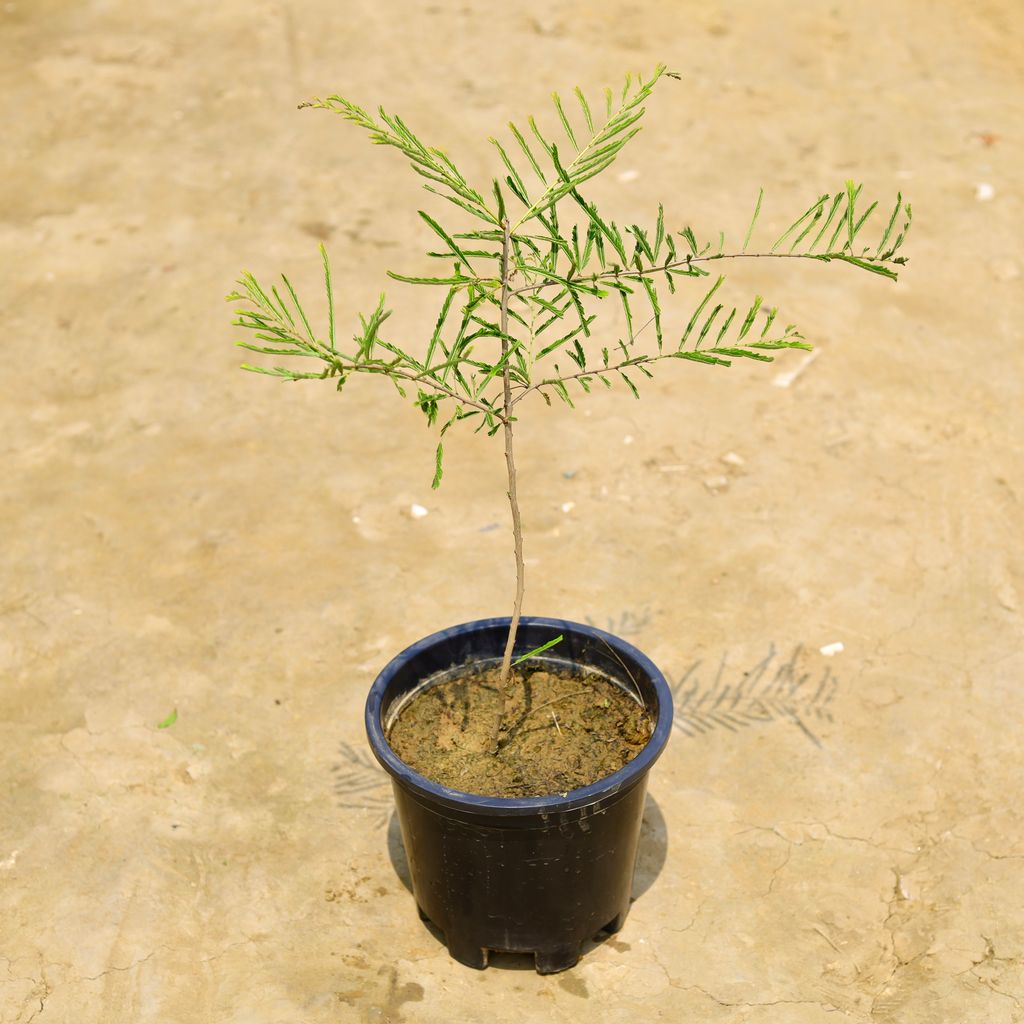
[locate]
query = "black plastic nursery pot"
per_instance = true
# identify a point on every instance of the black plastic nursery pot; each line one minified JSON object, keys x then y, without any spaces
{"x":539,"y":875}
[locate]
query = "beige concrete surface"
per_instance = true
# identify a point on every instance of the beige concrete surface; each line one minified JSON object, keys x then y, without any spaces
{"x":180,"y":535}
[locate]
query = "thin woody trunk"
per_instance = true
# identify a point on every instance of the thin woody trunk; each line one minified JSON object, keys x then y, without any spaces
{"x":517,"y":526}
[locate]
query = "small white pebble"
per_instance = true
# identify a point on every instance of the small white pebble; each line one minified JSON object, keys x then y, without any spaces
{"x":356,"y":520}
{"x":716,"y":483}
{"x":568,"y":506}
{"x":984,"y":192}
{"x":417,"y":511}
{"x":732,"y":459}
{"x":829,"y":649}
{"x":629,"y":175}
{"x":628,"y":439}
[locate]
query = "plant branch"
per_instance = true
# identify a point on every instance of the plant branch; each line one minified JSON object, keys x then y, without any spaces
{"x":517,"y":524}
{"x":624,"y":365}
{"x":426,"y":379}
{"x":635,"y":274}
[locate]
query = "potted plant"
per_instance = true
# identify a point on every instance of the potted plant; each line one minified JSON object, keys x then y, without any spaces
{"x":519,"y":747}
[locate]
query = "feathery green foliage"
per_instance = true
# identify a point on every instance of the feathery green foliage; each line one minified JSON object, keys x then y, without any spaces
{"x":526,"y":267}
{"x":557,"y":270}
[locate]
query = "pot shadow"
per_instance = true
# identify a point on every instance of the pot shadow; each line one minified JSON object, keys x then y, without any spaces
{"x":652,"y":852}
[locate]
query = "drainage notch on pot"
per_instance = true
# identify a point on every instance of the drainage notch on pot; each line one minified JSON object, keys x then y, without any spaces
{"x":538,"y":875}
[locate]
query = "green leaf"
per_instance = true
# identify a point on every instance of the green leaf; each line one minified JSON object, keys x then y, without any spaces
{"x":562,"y":391}
{"x":330,"y":295}
{"x":753,"y":220}
{"x":454,"y":279}
{"x":843,"y":221}
{"x":442,"y":316}
{"x":781,"y":343}
{"x":725,"y":326}
{"x":659,"y":231}
{"x":891,"y":224}
{"x":741,"y":353}
{"x":851,"y":196}
{"x":565,"y":121}
{"x":298,"y":307}
{"x":748,"y":320}
{"x":630,"y":385}
{"x":652,"y":295}
{"x":836,"y":200}
{"x":284,"y":308}
{"x":863,"y":217}
{"x":625,"y":308}
{"x":808,"y":229}
{"x":283,"y":372}
{"x":701,"y":357}
{"x":864,"y":264}
{"x":586,"y":109}
{"x":700,"y":309}
{"x":438,"y":471}
{"x":441,"y":233}
{"x":707,"y":325}
{"x":810,"y":212}
{"x":547,"y":147}
{"x":528,"y":153}
{"x":520,"y":185}
{"x":607,"y":230}
{"x":538,"y":650}
{"x":565,"y":337}
{"x":267,"y":351}
{"x":169,"y":720}
{"x":901,"y":236}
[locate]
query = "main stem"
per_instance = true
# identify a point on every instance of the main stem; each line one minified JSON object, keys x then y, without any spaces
{"x":517,"y":524}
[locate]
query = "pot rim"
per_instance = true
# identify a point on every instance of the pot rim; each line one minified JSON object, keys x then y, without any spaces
{"x":626,"y":777}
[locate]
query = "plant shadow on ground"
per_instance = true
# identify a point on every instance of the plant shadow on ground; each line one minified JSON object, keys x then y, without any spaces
{"x":650,"y":860}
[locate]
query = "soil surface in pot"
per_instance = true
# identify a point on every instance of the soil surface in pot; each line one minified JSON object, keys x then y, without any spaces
{"x":560,"y":732}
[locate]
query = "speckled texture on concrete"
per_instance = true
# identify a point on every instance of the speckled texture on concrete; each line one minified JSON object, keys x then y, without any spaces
{"x":177,"y":534}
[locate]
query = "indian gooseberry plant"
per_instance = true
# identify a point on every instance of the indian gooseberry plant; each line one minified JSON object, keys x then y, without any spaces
{"x":527,"y":264}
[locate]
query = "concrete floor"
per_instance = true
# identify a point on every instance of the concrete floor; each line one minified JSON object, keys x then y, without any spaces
{"x":180,"y":535}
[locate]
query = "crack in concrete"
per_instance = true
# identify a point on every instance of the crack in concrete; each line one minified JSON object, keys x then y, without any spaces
{"x":128,"y":967}
{"x":775,"y":873}
{"x":986,"y":853}
{"x":829,"y":1007}
{"x":815,"y":839}
{"x":74,"y":757}
{"x":227,"y":949}
{"x":825,"y":1005}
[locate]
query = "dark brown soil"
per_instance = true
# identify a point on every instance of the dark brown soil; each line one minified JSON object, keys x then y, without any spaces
{"x":560,"y":732}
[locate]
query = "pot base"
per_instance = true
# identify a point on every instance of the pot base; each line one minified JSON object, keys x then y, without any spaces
{"x":547,"y":961}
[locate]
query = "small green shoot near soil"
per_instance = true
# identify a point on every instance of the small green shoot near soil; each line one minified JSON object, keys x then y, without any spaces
{"x":525,"y":269}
